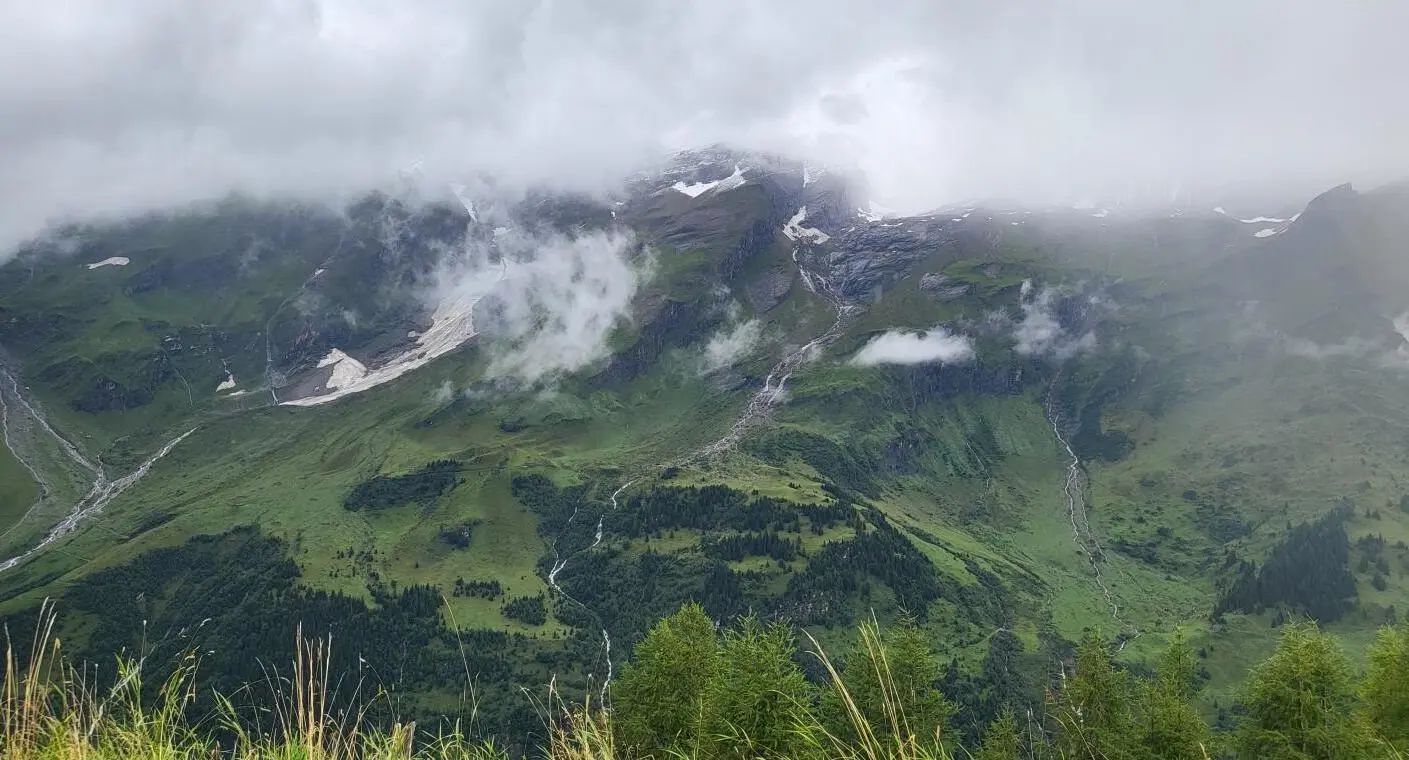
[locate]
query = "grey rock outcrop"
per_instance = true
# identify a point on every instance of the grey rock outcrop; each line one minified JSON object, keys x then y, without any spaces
{"x":943,"y":287}
{"x":867,"y":258}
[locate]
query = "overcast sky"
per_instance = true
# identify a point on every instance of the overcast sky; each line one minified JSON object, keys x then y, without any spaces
{"x":106,"y":110}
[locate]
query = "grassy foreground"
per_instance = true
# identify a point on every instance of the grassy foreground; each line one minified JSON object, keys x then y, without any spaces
{"x":696,"y":691}
{"x":50,"y":709}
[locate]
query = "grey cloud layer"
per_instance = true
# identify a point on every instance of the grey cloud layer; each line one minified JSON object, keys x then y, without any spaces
{"x":173,"y":100}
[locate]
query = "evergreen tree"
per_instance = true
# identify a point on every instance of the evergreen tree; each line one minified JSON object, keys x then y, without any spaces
{"x":1168,"y":727}
{"x":893,"y":680}
{"x":1299,"y":702}
{"x":1000,"y":740}
{"x":1385,"y":690}
{"x":758,"y":696}
{"x":660,"y":695}
{"x":1093,"y":710}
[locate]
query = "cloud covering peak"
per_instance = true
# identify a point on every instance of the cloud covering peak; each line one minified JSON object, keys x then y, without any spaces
{"x":172,"y":101}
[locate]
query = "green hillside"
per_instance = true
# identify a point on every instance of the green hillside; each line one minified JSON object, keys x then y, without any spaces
{"x":1144,"y":420}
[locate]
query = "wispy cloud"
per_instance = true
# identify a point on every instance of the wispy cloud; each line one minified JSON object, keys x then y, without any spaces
{"x":443,"y":393}
{"x":545,"y":303}
{"x":731,"y":344}
{"x":1040,"y":333}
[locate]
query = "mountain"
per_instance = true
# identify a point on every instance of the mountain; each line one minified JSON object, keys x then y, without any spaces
{"x":465,"y":433}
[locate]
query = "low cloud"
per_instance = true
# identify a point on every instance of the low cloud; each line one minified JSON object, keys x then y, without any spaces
{"x":1040,"y":333}
{"x":937,"y":345}
{"x":443,"y":393}
{"x":1255,"y":329}
{"x":730,"y":344}
{"x":176,"y":101}
{"x":1308,"y":349}
{"x":544,"y":304}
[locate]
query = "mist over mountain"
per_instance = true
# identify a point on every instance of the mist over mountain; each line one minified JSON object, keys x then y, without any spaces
{"x":1061,"y":100}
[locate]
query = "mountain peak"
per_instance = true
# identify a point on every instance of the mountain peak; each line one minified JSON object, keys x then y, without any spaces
{"x":1334,"y":201}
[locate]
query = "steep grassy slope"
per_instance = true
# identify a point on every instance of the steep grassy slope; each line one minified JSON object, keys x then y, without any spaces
{"x":19,"y":490}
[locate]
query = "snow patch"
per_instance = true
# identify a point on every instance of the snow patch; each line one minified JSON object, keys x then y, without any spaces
{"x":227,"y":384}
{"x":459,"y":191}
{"x":112,"y":261}
{"x":697,"y":189}
{"x":1256,"y":219}
{"x":794,"y":229}
{"x":733,"y":180}
{"x":451,"y":325}
{"x":1269,"y":232}
{"x":346,"y":370}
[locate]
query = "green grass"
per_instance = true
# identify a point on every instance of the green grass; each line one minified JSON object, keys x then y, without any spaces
{"x":288,"y":471}
{"x":17,"y":489}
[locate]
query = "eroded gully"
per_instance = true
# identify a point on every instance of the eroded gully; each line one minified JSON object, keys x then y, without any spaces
{"x":1073,"y":489}
{"x":101,"y":492}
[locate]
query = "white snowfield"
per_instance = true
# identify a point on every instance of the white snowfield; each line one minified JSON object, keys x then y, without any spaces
{"x":794,"y":229}
{"x":228,"y":384}
{"x":346,"y":370}
{"x":451,"y":325}
{"x":1255,"y":220}
{"x":1269,"y":232}
{"x":112,"y":261}
{"x":697,"y":189}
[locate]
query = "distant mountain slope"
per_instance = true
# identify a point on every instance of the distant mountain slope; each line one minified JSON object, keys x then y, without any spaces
{"x":739,"y":383}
